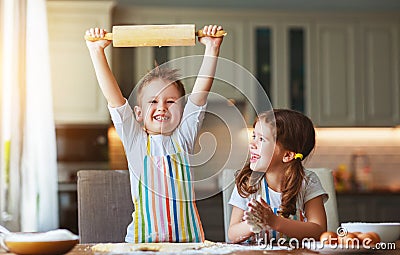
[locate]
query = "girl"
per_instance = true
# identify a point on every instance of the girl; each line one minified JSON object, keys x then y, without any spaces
{"x":290,"y":199}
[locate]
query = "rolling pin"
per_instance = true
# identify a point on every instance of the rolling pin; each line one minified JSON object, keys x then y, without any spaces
{"x":154,"y":35}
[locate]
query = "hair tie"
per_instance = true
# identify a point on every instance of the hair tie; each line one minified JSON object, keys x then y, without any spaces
{"x":298,"y":155}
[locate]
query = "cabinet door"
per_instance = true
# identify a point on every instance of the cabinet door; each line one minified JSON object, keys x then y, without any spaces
{"x":356,"y":208}
{"x":76,"y":95}
{"x":380,"y":80}
{"x":335,"y":90}
{"x":388,"y":208}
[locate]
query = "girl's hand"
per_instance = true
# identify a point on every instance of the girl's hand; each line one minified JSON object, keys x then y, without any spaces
{"x":98,"y":33}
{"x":259,"y":214}
{"x":211,"y":41}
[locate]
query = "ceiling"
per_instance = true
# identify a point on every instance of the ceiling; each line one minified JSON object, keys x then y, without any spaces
{"x":306,"y":5}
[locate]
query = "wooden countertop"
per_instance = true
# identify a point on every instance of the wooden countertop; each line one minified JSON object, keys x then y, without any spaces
{"x":85,"y":249}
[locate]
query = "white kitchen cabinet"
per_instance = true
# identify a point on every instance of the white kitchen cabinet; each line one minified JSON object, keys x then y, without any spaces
{"x":335,"y":93}
{"x":77,"y":97}
{"x":379,"y":79}
{"x":357,"y":73}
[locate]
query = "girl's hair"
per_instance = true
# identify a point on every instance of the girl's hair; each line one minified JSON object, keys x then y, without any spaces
{"x":294,"y":132}
{"x":164,"y":73}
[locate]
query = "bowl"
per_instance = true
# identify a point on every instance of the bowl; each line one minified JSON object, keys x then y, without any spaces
{"x":44,"y":243}
{"x":41,"y":248}
{"x":388,"y":232}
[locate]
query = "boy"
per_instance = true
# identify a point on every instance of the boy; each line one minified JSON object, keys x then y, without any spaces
{"x":161,"y":188}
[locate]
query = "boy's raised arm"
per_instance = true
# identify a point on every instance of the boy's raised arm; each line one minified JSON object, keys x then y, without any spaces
{"x":105,"y":77}
{"x":208,"y":67}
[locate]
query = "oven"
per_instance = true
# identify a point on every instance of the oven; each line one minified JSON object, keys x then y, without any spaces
{"x":78,"y":147}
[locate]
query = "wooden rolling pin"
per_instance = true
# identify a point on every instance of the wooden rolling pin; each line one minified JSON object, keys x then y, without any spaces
{"x":153,"y":35}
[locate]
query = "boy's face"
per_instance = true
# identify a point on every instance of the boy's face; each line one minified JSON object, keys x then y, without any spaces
{"x":160,"y":107}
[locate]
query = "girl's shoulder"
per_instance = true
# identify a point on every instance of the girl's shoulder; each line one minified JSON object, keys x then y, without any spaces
{"x":311,"y":178}
{"x":309,"y":174}
{"x":312,"y":186}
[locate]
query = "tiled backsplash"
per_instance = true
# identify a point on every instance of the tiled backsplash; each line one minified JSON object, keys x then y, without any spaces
{"x":382,"y":145}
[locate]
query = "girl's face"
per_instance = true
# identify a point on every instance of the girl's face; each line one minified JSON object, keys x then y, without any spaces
{"x":263,"y":152}
{"x":161,"y":107}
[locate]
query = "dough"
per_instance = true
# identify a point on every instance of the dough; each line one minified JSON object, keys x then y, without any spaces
{"x":255,"y":229}
{"x":157,"y":247}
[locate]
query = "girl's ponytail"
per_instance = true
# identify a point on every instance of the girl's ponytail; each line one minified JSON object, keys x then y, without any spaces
{"x":290,"y":187}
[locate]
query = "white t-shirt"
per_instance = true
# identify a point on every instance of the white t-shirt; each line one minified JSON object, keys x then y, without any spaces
{"x":311,"y":188}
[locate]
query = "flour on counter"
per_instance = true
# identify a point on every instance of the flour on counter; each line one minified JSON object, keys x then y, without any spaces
{"x":176,"y":248}
{"x":54,"y":235}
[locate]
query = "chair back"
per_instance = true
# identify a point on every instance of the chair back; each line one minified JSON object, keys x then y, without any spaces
{"x":227,"y":183}
{"x":104,"y":205}
{"x":325,"y":175}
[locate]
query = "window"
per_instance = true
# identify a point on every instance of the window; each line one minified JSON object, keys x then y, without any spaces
{"x":296,"y":65}
{"x":263,"y":58}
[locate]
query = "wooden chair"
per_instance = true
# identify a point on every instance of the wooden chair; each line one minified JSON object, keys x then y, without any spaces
{"x":104,"y":205}
{"x":227,"y":183}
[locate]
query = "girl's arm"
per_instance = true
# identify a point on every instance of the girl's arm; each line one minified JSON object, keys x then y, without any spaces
{"x":206,"y":74}
{"x":238,"y":230}
{"x":313,"y":228}
{"x":105,"y":77}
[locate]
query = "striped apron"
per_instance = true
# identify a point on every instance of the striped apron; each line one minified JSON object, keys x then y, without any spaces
{"x":165,"y":210}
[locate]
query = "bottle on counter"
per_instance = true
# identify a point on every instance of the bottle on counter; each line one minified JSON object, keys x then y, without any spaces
{"x":361,"y":171}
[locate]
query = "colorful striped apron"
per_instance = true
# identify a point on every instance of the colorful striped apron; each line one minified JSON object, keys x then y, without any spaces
{"x":165,"y":210}
{"x":270,"y":233}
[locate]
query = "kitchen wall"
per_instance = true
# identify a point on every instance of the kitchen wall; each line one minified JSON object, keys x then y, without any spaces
{"x":382,"y":145}
{"x":334,"y":147}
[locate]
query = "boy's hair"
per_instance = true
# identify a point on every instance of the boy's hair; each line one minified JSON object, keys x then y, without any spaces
{"x":164,"y":73}
{"x":294,"y":132}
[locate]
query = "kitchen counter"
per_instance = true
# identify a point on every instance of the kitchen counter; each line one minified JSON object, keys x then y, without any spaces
{"x":84,"y":249}
{"x":390,"y":192}
{"x":369,"y":206}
